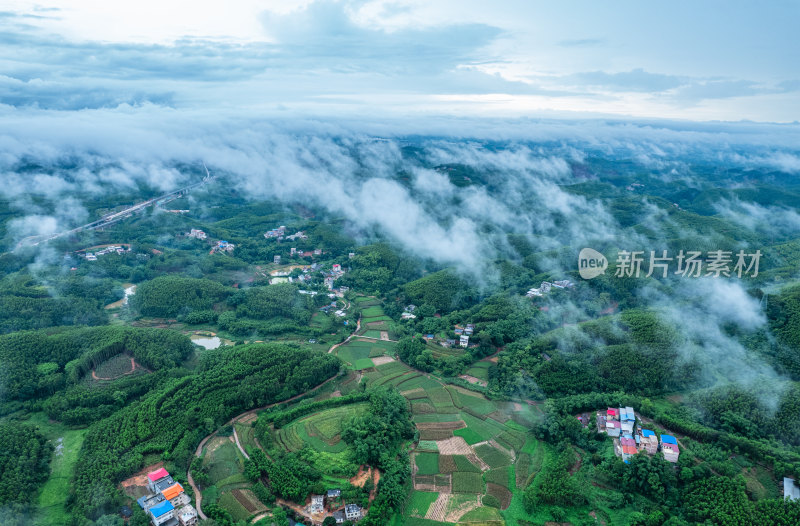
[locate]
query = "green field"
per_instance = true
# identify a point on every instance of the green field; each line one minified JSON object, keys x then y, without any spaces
{"x":469,"y":435}
{"x":54,"y":493}
{"x":480,"y":370}
{"x":492,"y":456}
{"x":363,"y":363}
{"x":427,"y":463}
{"x":467,"y":482}
{"x":419,"y":502}
{"x":372,"y":312}
{"x":223,"y":462}
{"x":229,"y":502}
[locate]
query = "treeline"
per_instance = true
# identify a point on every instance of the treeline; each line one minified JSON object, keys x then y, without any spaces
{"x":282,"y":417}
{"x":168,"y":296}
{"x":379,"y":268}
{"x":171,"y":420}
{"x":24,"y":463}
{"x":288,"y":476}
{"x":35,"y":364}
{"x":375,"y":435}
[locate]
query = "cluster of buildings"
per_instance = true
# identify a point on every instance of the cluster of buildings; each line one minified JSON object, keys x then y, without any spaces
{"x":280,"y":234}
{"x":630,"y":439}
{"x":349,"y":512}
{"x":92,"y":256}
{"x":276,"y":233}
{"x":546,"y":287}
{"x":408,"y":313}
{"x":330,"y":277}
{"x":220,"y":246}
{"x":464,"y":333}
{"x":223,"y":246}
{"x":167,"y":504}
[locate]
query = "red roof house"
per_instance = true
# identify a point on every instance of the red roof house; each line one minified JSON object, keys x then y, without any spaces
{"x":158,"y":475}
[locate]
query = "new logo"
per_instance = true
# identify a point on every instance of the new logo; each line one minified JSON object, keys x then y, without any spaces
{"x":591,"y":263}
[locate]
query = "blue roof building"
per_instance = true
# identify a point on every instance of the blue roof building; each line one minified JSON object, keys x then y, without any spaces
{"x":668,"y":439}
{"x":161,"y":509}
{"x":647,"y":433}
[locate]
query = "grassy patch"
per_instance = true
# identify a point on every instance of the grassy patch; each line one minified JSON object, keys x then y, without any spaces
{"x":363,"y":363}
{"x":229,"y":502}
{"x":464,"y":464}
{"x":427,"y":463}
{"x":482,"y":514}
{"x":419,"y":502}
{"x":492,"y":456}
{"x":466,"y":482}
{"x":53,"y":497}
{"x":469,"y":435}
{"x":480,"y":370}
{"x":499,"y":476}
{"x":372,"y":312}
{"x":223,"y":462}
{"x":428,"y":445}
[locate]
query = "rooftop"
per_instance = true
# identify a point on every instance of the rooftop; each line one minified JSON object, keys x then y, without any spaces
{"x":172,"y":491}
{"x":668,"y":439}
{"x":158,"y":474}
{"x":161,"y":509}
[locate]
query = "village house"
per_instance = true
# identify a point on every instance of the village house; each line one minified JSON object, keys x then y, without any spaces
{"x":334,"y":493}
{"x":163,"y":513}
{"x":187,"y":516}
{"x":337,"y":268}
{"x":628,"y":446}
{"x":464,"y":341}
{"x":627,"y":419}
{"x":612,"y":422}
{"x":648,"y":441}
{"x":297,"y":235}
{"x":469,"y":329}
{"x":276,"y":233}
{"x":351,"y":255}
{"x":276,"y":260}
{"x":563,"y":284}
{"x":175,"y":495}
{"x":223,"y":246}
{"x":197,"y":234}
{"x":669,"y":447}
{"x":407,"y":316}
{"x":317,"y":504}
{"x":352,"y":512}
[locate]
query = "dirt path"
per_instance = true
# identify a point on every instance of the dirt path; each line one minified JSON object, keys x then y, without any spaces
{"x":239,"y":444}
{"x":358,"y":328}
{"x":133,"y":370}
{"x":261,"y":516}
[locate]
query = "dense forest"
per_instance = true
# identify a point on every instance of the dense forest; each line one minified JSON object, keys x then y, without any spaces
{"x":24,"y":461}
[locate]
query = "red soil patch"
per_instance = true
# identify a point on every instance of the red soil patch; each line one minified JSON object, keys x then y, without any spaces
{"x":136,"y":484}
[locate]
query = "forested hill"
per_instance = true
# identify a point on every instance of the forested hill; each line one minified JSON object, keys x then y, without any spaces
{"x":176,"y":416}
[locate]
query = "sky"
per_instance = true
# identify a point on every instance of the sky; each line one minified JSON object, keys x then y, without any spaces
{"x":683,"y":60}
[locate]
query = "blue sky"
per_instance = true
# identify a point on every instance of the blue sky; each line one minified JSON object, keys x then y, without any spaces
{"x":699,"y":61}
